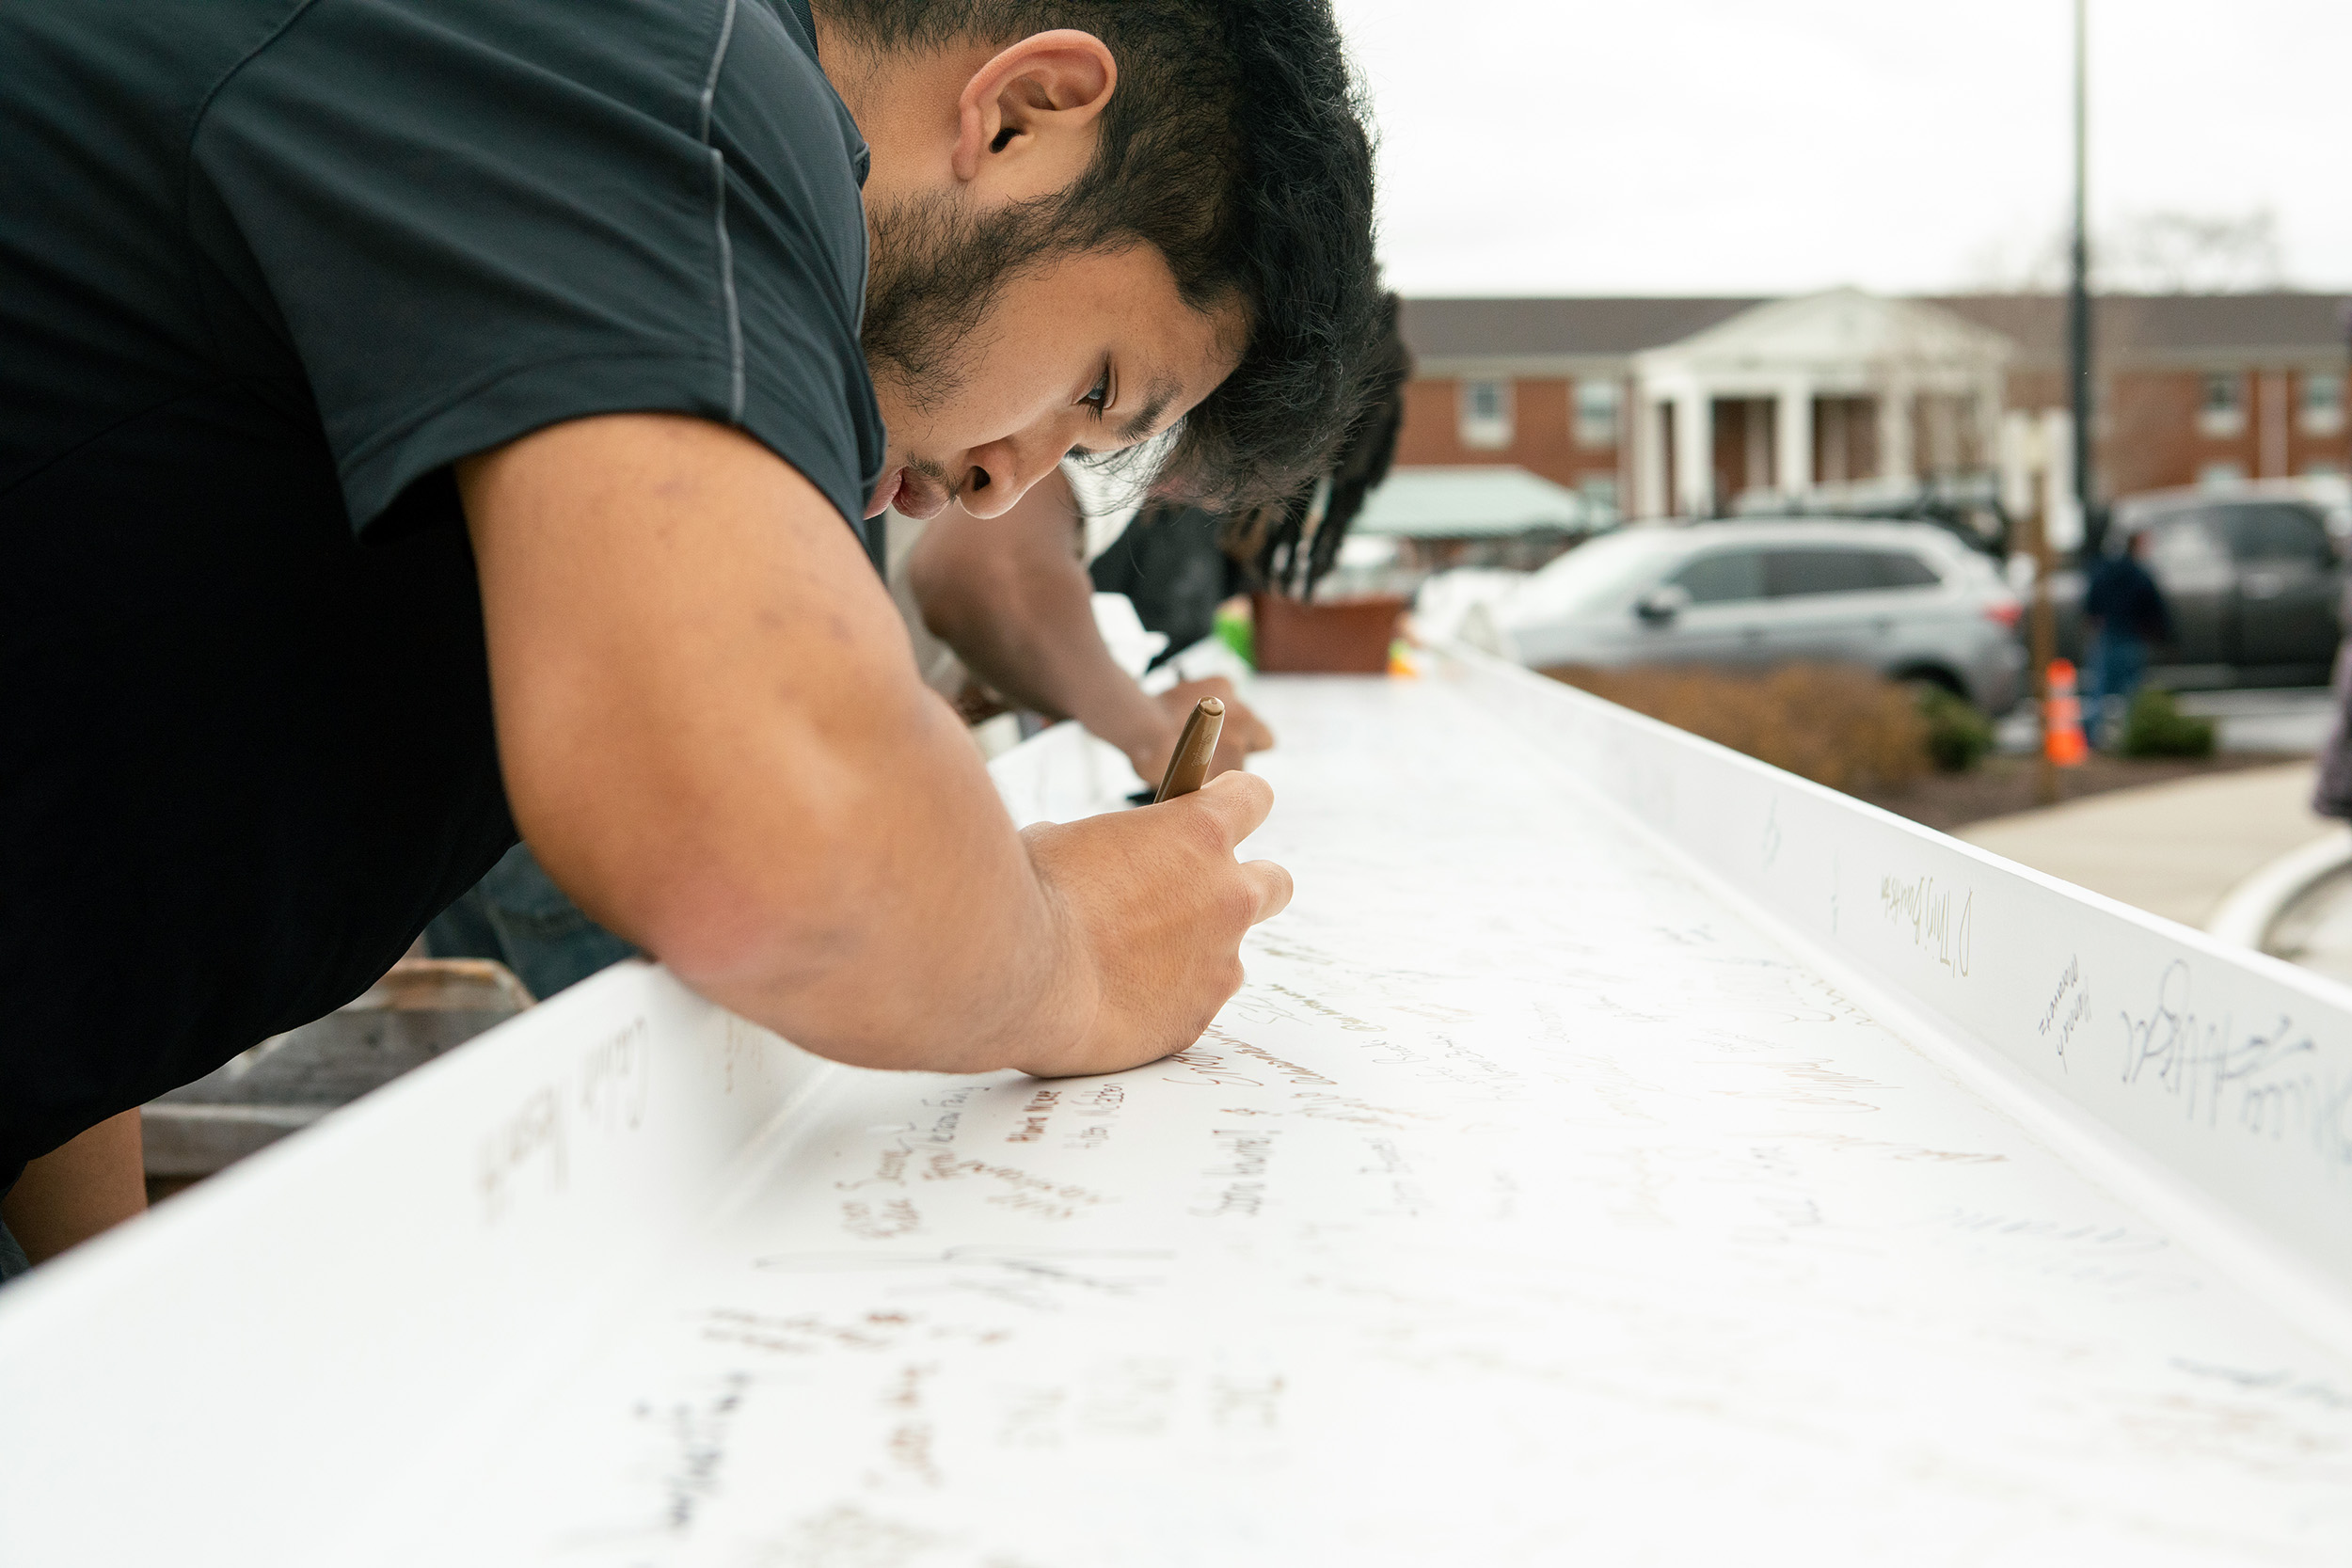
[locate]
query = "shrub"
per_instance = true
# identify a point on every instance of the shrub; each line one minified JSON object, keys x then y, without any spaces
{"x":1834,"y":724}
{"x":2154,"y":726}
{"x":1236,"y":632}
{"x":1958,"y":734}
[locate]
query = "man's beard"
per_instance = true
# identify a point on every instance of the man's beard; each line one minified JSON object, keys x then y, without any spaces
{"x":937,"y":271}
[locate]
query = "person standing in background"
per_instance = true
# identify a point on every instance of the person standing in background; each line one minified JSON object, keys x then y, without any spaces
{"x":2123,"y":610}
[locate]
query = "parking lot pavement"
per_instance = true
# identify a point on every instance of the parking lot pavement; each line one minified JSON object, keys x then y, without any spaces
{"x":2174,"y":849}
{"x":2292,"y":720}
{"x":2289,"y":720}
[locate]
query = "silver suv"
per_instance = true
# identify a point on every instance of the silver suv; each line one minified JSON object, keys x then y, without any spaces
{"x":1905,"y":599}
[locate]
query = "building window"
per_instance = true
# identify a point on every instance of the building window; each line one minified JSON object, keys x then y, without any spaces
{"x":2323,"y":402}
{"x":2222,"y":410}
{"x":1486,"y":413}
{"x":1601,"y":499}
{"x":2221,"y":476}
{"x":1597,"y":403}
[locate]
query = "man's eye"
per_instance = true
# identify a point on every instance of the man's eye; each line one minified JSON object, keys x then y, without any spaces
{"x":1100,"y":398}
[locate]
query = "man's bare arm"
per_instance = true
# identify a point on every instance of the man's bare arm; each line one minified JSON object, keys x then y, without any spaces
{"x":91,"y":1183}
{"x":1011,"y":596}
{"x":714,"y":738}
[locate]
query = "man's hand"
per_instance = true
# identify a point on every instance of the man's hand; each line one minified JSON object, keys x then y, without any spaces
{"x":1243,"y":734}
{"x":715,"y":739}
{"x":1159,"y":899}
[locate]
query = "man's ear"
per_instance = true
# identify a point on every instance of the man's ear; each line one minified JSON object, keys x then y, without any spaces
{"x":1045,"y":88}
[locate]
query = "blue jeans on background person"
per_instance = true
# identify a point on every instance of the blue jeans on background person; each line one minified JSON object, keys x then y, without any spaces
{"x":520,"y":918}
{"x":2118,"y":662}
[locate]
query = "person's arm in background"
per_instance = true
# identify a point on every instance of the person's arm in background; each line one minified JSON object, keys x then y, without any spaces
{"x":1011,"y":596}
{"x":91,"y":1183}
{"x":714,"y":738}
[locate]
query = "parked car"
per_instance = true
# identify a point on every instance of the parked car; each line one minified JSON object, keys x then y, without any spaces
{"x":2254,"y":586}
{"x":1905,"y":599}
{"x":1444,"y":600}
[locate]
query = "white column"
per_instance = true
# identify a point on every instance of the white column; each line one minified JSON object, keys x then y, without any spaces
{"x":1897,"y":402}
{"x":2061,"y":517}
{"x":1984,"y":434}
{"x":1792,"y":426}
{"x":1694,"y":452}
{"x":2020,"y":457}
{"x":1645,"y":425}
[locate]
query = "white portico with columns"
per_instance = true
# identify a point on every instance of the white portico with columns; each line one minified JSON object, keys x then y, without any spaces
{"x":1827,"y":391}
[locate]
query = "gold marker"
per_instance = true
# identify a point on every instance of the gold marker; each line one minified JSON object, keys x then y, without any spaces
{"x":1190,"y":768}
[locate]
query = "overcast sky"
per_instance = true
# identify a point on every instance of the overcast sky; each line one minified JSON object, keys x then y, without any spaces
{"x":1775,"y":145}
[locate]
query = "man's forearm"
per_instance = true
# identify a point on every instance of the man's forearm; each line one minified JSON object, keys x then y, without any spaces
{"x":1044,"y":652}
{"x":715,"y":741}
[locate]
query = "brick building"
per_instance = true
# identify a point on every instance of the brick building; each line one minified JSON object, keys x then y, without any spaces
{"x":1652,"y":406}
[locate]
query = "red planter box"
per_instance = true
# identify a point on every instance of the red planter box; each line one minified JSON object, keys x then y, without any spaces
{"x":1345,"y":637}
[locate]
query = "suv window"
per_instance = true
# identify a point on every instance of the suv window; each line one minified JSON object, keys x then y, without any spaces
{"x":1723,"y":578}
{"x":2185,"y":545}
{"x":2278,"y":533}
{"x":1901,"y":569}
{"x":1791,"y":573}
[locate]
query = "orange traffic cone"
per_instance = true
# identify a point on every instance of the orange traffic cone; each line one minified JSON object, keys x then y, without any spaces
{"x":2062,"y":718}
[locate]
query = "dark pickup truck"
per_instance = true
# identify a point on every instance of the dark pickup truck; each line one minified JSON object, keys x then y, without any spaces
{"x":2254,"y":588}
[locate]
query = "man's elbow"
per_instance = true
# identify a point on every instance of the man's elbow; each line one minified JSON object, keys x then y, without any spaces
{"x":734,"y":916}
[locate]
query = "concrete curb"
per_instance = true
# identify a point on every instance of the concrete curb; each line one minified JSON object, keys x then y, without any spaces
{"x":2248,"y":910}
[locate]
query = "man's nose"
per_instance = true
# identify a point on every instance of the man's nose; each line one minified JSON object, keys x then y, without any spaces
{"x":1001,"y":472}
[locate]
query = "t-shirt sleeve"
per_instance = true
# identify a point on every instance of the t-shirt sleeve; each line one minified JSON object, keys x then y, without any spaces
{"x":470,"y":220}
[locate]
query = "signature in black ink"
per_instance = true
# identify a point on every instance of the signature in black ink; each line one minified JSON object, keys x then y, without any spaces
{"x":700,"y":1432}
{"x":2201,"y":1060}
{"x":2069,"y":1007}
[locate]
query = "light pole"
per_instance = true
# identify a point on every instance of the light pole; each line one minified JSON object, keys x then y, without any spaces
{"x":2041,"y":631}
{"x":2078,"y":293}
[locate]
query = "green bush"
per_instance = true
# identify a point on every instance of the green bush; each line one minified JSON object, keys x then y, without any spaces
{"x":2154,"y":726}
{"x":1236,"y":632}
{"x":1958,"y":734}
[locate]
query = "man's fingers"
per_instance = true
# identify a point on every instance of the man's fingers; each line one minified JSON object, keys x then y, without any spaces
{"x":1246,"y":728}
{"x":1272,"y":885}
{"x":1237,"y":801}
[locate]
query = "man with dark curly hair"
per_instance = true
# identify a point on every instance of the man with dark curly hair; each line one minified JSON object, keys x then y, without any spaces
{"x":430,"y":421}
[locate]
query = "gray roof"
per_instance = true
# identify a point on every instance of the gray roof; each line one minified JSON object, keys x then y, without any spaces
{"x":1524,"y":328}
{"x":2185,"y":329}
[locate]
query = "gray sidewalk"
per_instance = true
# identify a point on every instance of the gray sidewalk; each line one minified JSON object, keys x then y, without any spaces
{"x":2174,"y":849}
